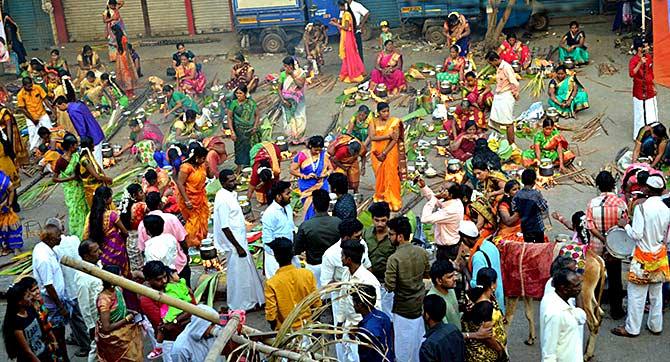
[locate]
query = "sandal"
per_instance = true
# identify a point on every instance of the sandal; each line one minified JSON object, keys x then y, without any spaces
{"x":621,"y":332}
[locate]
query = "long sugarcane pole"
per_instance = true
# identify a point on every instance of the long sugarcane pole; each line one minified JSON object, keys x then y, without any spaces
{"x":138,"y":288}
{"x":271,"y":351}
{"x":222,"y":339}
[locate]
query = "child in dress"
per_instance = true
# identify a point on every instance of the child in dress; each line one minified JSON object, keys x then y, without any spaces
{"x":385,"y":34}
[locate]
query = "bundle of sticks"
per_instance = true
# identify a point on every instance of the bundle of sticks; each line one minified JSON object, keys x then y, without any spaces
{"x":590,"y":128}
{"x":403,"y":100}
{"x":266,"y":101}
{"x":576,"y":174}
{"x":323,"y":83}
{"x":607,"y":69}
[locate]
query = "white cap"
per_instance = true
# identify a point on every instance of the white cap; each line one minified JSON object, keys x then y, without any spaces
{"x":468,"y":228}
{"x":656,"y":182}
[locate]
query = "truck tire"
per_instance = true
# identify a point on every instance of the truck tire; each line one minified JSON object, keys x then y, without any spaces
{"x":273,"y":43}
{"x":539,"y":22}
{"x":366,"y":33}
{"x":434,"y":35}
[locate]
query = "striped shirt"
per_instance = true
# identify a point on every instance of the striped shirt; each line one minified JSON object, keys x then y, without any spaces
{"x":604,"y":212}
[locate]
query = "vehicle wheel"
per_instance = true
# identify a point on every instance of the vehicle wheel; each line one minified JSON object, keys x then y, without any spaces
{"x":366,"y":33}
{"x":539,"y":22}
{"x":434,"y":35}
{"x":273,"y":43}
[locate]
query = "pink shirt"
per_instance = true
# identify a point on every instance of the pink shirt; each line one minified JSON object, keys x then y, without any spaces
{"x":173,"y":227}
{"x":446,"y":219}
{"x":506,"y":79}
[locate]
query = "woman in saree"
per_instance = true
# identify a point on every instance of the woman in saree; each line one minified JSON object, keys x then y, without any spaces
{"x":572,"y":45}
{"x":91,"y":173}
{"x":485,"y":313}
{"x":477,"y":92}
{"x":509,"y":226}
{"x":548,"y":143}
{"x":264,"y":156}
{"x":126,"y":74}
{"x":388,"y":70}
{"x":113,"y":95}
{"x":243,"y":121}
{"x":388,"y":156}
{"x":190,"y":80}
{"x":57,"y":63}
{"x":14,"y":42}
{"x":359,"y":123}
{"x":480,"y":211}
{"x":11,"y":239}
{"x":193,"y":202}
{"x":88,"y":60}
{"x":567,"y":94}
{"x":133,"y":209}
{"x":216,"y":153}
{"x":292,"y":97}
{"x":652,"y":143}
{"x":66,"y":174}
{"x":456,"y":30}
{"x":513,"y":50}
{"x":112,"y":17}
{"x":13,"y":153}
{"x":353,"y":69}
{"x":104,"y":226}
{"x":312,"y":168}
{"x":492,"y":182}
{"x":118,"y":337}
{"x":452,"y":69}
{"x":242,"y":74}
{"x":464,"y":144}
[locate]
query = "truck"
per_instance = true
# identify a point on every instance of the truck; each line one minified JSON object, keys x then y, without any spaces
{"x":276,"y":23}
{"x":429,"y":15}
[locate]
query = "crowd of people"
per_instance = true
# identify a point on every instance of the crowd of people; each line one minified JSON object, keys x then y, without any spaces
{"x":394,"y":296}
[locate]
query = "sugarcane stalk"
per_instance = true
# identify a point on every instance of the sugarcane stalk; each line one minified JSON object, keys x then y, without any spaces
{"x":223,"y":338}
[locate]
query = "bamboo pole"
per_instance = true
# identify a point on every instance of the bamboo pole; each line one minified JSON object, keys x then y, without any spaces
{"x":270,"y":351}
{"x":222,"y":339}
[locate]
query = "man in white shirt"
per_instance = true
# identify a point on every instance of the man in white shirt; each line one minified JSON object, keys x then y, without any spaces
{"x":561,"y":323}
{"x":161,"y":246}
{"x":49,"y":276}
{"x":88,"y":288}
{"x":245,"y":287}
{"x":332,"y":268}
{"x":649,"y":267}
{"x":352,"y":256}
{"x":68,"y":247}
{"x":361,"y":14}
{"x":277,"y":222}
{"x":446,"y":219}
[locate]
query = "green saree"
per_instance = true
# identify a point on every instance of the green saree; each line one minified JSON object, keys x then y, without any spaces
{"x":563,"y":90}
{"x":244,"y":117}
{"x":75,"y":199}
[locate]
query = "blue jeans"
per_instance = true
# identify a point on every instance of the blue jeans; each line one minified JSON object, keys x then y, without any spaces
{"x":359,"y":44}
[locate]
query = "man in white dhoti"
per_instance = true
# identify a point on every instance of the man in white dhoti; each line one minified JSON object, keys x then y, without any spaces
{"x":640,"y":68}
{"x":504,"y":96}
{"x":405,"y":271}
{"x":649,"y":267}
{"x":244,"y":287}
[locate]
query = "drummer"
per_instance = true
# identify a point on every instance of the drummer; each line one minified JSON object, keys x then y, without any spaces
{"x":602,"y":214}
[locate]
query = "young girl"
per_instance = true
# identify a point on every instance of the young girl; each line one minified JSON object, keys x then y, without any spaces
{"x":25,"y":340}
{"x":11,"y":230}
{"x":177,"y":288}
{"x":159,"y":181}
{"x":385,"y":34}
{"x":133,"y":210}
{"x":581,"y":239}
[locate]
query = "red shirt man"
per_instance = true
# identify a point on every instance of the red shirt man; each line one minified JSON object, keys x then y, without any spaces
{"x":641,"y":69}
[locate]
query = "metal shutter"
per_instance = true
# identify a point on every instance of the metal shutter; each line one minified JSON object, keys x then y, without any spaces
{"x":382,"y":10}
{"x":167,"y":17}
{"x":212,"y":16}
{"x":84,"y":22}
{"x":34,"y":24}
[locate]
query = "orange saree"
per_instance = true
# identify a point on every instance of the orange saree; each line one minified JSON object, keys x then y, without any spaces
{"x":197,"y":218}
{"x":388,"y":172}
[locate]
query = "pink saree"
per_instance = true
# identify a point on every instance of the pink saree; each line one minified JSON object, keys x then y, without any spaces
{"x":353,"y":69}
{"x":394,"y":80}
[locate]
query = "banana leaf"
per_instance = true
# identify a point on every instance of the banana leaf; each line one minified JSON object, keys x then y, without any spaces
{"x":200,"y":289}
{"x":365,"y":218}
{"x":213,"y":286}
{"x":419,"y":113}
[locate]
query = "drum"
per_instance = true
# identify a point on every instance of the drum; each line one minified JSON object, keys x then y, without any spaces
{"x":619,"y":245}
